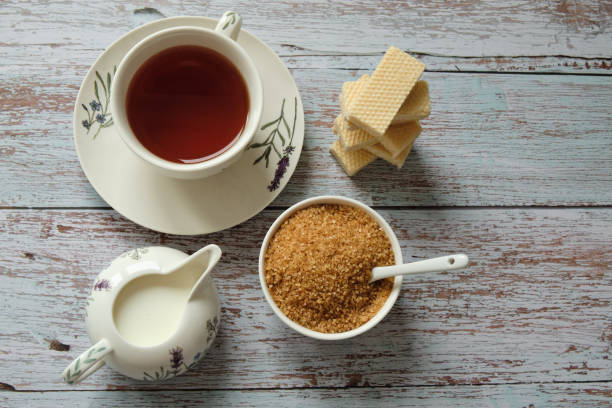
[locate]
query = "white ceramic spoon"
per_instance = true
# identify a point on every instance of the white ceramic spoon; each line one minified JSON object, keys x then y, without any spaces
{"x":443,"y":263}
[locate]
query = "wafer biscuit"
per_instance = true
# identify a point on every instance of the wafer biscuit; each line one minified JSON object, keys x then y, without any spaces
{"x":398,"y":137}
{"x":350,"y":90}
{"x":416,"y":106}
{"x":351,"y":138}
{"x":395,"y":139}
{"x":351,"y":162}
{"x":379,"y":151}
{"x":378,"y":102}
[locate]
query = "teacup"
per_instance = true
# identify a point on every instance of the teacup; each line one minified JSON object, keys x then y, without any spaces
{"x":221,"y":40}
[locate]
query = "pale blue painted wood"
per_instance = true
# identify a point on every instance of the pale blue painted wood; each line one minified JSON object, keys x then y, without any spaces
{"x":511,"y":28}
{"x":438,"y":63}
{"x":490,"y":140}
{"x":558,"y":156}
{"x":534,"y":306}
{"x":584,"y":395}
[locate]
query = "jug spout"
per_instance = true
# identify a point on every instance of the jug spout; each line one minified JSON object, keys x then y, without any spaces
{"x":203,"y":261}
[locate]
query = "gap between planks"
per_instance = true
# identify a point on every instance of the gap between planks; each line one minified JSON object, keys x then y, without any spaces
{"x":309,"y":52}
{"x":460,"y":71}
{"x":492,"y":64}
{"x":376,"y":207}
{"x":161,"y":389}
{"x":422,"y":54}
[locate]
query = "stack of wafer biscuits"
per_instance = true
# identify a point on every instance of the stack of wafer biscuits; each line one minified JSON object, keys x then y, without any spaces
{"x":380,"y":113}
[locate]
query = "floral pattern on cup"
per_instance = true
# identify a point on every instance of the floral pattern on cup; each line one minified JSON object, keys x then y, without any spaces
{"x":135,"y":254}
{"x":177,"y":366}
{"x":98,"y":113}
{"x":91,"y":357}
{"x":212,"y":326}
{"x":283,"y":133}
{"x":158,"y":375}
{"x":177,"y":359}
{"x":102,"y":284}
{"x":231,"y":19}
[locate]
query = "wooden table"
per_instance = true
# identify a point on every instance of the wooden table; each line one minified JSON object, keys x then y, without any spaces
{"x":514,"y":167}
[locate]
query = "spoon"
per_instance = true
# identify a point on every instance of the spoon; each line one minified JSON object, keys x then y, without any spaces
{"x":443,"y":263}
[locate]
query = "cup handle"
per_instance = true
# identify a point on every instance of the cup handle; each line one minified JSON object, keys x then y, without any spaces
{"x":229,"y":24}
{"x":87,"y":363}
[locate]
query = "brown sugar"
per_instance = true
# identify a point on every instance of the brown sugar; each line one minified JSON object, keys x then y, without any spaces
{"x":318,"y":265}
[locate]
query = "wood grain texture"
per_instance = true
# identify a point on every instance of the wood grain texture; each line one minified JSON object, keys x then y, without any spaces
{"x":490,"y":140}
{"x":534,"y":305}
{"x":467,"y":29}
{"x":528,"y":324}
{"x":439,"y":63}
{"x":585,"y":395}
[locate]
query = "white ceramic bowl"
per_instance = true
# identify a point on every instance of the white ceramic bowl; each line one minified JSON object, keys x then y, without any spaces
{"x":397,"y":251}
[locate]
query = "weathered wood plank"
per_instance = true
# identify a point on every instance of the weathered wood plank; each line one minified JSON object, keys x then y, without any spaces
{"x":491,"y":140}
{"x":468,"y":29}
{"x":15,"y":62}
{"x":522,"y":395}
{"x":534,"y":306}
{"x":435,"y":63}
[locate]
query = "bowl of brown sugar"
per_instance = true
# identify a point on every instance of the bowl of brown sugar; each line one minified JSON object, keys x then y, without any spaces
{"x":315,"y":266}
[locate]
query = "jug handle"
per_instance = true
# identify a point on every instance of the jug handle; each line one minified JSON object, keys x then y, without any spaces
{"x":87,"y":363}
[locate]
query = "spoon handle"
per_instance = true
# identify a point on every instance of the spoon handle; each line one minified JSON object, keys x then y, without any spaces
{"x":443,"y":263}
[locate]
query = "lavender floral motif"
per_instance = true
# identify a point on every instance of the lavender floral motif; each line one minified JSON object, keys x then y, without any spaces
{"x":285,"y":135}
{"x":212,"y":326}
{"x":176,"y":359}
{"x":162,"y":374}
{"x":98,"y":113}
{"x":231,"y":19}
{"x":91,"y":357}
{"x":196,"y":359}
{"x":176,"y":365}
{"x":135,"y":254}
{"x":90,"y":300}
{"x":281,"y":168}
{"x":95,"y":106}
{"x":102,"y":284}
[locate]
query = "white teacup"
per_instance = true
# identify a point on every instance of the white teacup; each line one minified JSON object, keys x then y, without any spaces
{"x":222,"y":40}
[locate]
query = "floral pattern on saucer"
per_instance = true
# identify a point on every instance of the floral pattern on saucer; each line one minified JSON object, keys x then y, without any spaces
{"x":286,"y":144}
{"x":193,"y":206}
{"x":98,"y":113}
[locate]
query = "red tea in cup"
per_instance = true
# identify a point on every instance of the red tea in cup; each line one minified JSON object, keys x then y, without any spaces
{"x":187,"y":104}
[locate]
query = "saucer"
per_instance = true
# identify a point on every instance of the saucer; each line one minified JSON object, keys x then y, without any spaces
{"x":189,"y":207}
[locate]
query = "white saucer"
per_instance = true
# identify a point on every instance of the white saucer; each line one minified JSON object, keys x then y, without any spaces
{"x":189,"y":207}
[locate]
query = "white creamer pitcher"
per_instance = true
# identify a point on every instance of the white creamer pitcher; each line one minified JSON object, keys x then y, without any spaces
{"x":151,"y":315}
